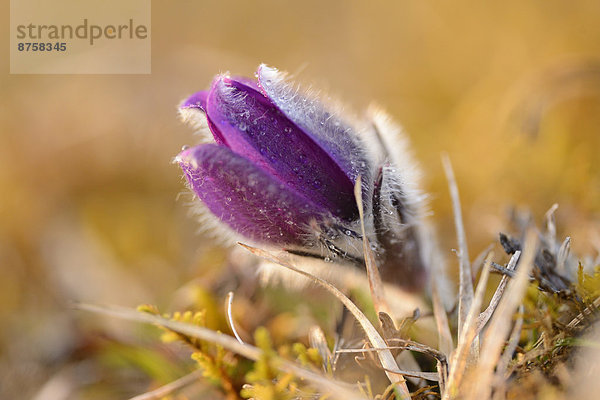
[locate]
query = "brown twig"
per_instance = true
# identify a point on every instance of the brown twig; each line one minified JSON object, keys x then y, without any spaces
{"x":485,"y":316}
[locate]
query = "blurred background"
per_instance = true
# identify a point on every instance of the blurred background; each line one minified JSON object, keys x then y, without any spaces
{"x":90,"y":204}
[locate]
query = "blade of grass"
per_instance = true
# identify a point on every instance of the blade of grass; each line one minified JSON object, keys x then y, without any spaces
{"x":385,"y":356}
{"x":585,"y":313}
{"x":465,"y":295}
{"x":551,"y":227}
{"x":501,"y":322}
{"x":445,"y":343}
{"x":375,"y":283}
{"x":228,"y":312}
{"x":513,"y":342}
{"x":460,"y":358}
{"x":317,"y":340}
{"x":563,"y":255}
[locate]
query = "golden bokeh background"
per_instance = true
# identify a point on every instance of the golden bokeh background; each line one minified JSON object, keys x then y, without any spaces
{"x":89,"y":199}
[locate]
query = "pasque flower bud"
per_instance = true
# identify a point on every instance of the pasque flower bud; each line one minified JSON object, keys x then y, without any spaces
{"x":281,"y":168}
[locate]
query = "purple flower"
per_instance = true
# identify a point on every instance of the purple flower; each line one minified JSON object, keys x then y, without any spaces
{"x":281,"y":172}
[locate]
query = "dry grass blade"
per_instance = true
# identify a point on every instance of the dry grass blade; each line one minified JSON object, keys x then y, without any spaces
{"x":385,"y":356}
{"x":563,"y":255}
{"x":404,"y":344}
{"x":513,"y":342}
{"x":336,"y":389}
{"x":551,"y":225}
{"x":430,"y":376}
{"x":586,"y":313}
{"x":169,"y":388}
{"x":445,"y":343}
{"x":501,"y":322}
{"x":317,"y":340}
{"x":465,"y":294}
{"x":375,"y":283}
{"x":442,"y":360}
{"x":228,"y":312}
{"x":485,"y":316}
{"x":460,"y":359}
{"x":500,"y":382}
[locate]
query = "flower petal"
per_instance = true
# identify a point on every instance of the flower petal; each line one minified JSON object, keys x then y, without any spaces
{"x":253,"y":127}
{"x":193,"y":109}
{"x":339,"y":138}
{"x":197,"y":100}
{"x":246,"y":197}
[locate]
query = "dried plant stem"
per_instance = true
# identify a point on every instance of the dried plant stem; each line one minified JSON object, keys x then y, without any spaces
{"x":403,"y":344}
{"x":501,"y":322}
{"x":465,"y":295}
{"x":228,"y":312}
{"x":587,"y":312}
{"x":460,"y":358}
{"x":551,"y":226}
{"x":338,"y":390}
{"x":445,"y":343}
{"x":442,"y":360}
{"x":375,"y":282}
{"x":317,"y":340}
{"x":563,"y":255}
{"x":513,"y":342}
{"x":430,"y":376}
{"x":385,"y":356}
{"x":485,"y":316}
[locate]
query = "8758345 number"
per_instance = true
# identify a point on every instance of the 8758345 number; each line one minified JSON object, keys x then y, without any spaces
{"x":39,"y":46}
